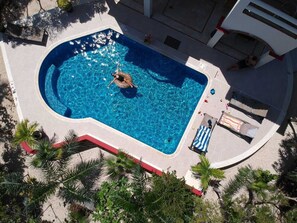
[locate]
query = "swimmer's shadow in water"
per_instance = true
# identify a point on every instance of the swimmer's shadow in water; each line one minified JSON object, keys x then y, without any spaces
{"x":130,"y":92}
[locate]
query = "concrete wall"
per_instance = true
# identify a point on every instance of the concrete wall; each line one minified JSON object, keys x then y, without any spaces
{"x":293,"y":54}
{"x":278,"y":41}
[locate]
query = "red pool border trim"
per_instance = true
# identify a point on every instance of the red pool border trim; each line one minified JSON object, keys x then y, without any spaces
{"x":112,"y":150}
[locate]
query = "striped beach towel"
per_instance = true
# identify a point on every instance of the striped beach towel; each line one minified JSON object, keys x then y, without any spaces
{"x":231,"y":122}
{"x":202,"y":138}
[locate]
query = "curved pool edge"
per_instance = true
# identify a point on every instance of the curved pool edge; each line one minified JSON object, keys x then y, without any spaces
{"x":89,"y":120}
{"x":272,"y":130}
{"x":186,"y":160}
{"x":46,"y":53}
{"x":220,"y":164}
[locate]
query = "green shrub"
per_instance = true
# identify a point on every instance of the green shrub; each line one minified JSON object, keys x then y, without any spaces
{"x":65,"y":5}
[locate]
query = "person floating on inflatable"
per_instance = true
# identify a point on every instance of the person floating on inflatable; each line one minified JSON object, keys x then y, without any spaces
{"x":122,"y":80}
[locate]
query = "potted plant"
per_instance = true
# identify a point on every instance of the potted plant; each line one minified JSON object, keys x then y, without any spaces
{"x":26,"y":132}
{"x":65,"y":5}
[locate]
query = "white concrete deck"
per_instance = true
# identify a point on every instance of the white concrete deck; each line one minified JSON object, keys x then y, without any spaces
{"x":270,"y":84}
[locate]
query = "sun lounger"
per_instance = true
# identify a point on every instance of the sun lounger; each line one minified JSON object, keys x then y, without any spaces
{"x":249,"y":105}
{"x":32,"y":34}
{"x":237,"y":125}
{"x":203,"y":134}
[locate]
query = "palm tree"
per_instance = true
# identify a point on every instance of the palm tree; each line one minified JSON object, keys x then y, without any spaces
{"x":119,"y":166}
{"x":47,"y":152}
{"x":261,"y":200}
{"x":74,"y":184}
{"x":25,"y":133}
{"x":13,"y":206}
{"x":206,"y":173}
{"x":256,"y":182}
{"x":262,"y":184}
{"x":71,"y":184}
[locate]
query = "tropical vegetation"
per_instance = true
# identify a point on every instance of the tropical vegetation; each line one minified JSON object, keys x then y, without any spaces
{"x":65,"y":5}
{"x":258,"y":204}
{"x":119,"y":166}
{"x":130,"y":194}
{"x":25,"y":133}
{"x":206,"y":173}
{"x":72,"y":184}
{"x":167,"y":199}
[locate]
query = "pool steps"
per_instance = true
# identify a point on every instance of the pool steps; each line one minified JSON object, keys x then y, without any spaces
{"x":51,"y":93}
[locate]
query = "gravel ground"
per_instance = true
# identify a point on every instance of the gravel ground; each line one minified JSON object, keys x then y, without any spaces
{"x":8,"y":110}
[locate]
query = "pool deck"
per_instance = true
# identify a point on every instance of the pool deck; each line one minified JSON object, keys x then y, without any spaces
{"x":270,"y":84}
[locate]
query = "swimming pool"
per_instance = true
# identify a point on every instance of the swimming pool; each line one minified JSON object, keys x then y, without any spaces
{"x":74,"y":78}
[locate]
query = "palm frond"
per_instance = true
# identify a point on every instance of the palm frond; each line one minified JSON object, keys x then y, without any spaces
{"x":52,"y":171}
{"x":292,"y":176}
{"x":139,"y":179}
{"x":204,"y":180}
{"x":24,"y":132}
{"x":72,"y":192}
{"x":243,"y":177}
{"x":35,"y":191}
{"x":114,"y":170}
{"x":119,"y":166}
{"x":204,"y":161}
{"x":217,"y":174}
{"x":46,"y":153}
{"x":202,"y":167}
{"x":89,"y":180}
{"x":70,"y":145}
{"x":206,"y":172}
{"x":139,"y":188}
{"x":13,"y":183}
{"x":42,"y":191}
{"x":82,"y":170}
{"x":199,"y":169}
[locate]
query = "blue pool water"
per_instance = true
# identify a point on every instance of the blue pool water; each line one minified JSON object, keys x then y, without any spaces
{"x":74,"y":76}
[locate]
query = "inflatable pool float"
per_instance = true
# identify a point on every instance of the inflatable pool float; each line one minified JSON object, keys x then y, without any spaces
{"x":123,"y":84}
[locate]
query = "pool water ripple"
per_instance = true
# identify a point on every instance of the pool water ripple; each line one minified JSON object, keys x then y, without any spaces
{"x":155,"y":113}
